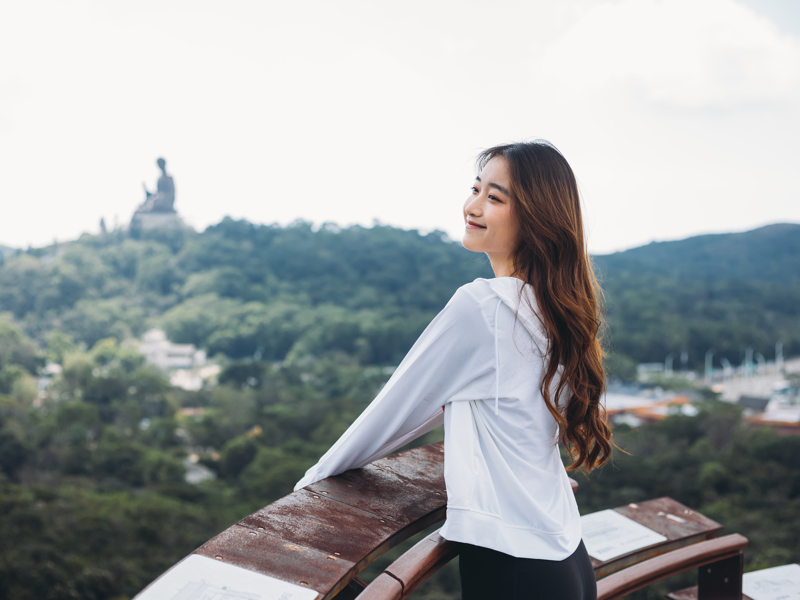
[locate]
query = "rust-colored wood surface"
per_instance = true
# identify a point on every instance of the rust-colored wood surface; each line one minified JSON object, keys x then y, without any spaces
{"x":322,"y":536}
{"x":681,"y":525}
{"x":384,"y":587}
{"x":648,"y":572}
{"x":290,"y":561}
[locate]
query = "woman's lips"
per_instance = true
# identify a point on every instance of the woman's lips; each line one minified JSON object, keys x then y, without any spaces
{"x":471,"y":225}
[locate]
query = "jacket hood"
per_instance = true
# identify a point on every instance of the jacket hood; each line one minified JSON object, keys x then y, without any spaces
{"x":519,"y":297}
{"x":508,"y":290}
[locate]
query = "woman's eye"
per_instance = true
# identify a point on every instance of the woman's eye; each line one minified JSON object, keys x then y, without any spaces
{"x":495,"y":198}
{"x":474,"y":189}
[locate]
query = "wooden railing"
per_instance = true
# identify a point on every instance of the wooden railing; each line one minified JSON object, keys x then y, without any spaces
{"x":321,"y":537}
{"x":690,"y":544}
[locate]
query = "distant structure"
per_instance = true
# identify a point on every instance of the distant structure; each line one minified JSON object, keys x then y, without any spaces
{"x":184,"y":364}
{"x":166,"y":355}
{"x":641,"y":406}
{"x":158,"y":209}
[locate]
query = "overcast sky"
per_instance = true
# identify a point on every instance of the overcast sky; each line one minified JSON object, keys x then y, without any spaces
{"x":678,"y":117}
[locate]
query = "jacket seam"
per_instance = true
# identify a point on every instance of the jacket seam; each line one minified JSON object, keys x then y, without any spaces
{"x":496,"y":359}
{"x":506,"y":525}
{"x":478,"y":304}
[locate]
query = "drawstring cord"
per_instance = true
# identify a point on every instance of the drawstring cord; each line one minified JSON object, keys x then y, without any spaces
{"x":496,"y":362}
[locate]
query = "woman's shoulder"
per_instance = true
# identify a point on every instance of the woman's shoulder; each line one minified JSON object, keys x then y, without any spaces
{"x":514,"y":293}
{"x":508,"y":289}
{"x":478,"y":290}
{"x":469,"y":305}
{"x":476,"y":300}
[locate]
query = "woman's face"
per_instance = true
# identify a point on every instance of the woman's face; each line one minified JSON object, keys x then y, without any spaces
{"x":490,"y":226}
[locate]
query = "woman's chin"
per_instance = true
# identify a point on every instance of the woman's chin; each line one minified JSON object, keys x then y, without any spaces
{"x":470,"y":243}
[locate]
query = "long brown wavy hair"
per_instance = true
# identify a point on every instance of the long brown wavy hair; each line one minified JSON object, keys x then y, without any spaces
{"x":551,"y":256}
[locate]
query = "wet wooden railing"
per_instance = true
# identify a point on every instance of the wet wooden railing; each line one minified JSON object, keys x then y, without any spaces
{"x":321,"y":537}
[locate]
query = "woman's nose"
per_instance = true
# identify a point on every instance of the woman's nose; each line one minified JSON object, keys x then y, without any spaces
{"x":472,"y":206}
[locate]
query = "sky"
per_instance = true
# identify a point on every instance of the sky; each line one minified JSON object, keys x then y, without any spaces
{"x":679,"y":117}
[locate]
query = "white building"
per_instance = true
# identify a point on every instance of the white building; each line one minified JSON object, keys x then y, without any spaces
{"x":166,"y":355}
{"x":184,"y":363}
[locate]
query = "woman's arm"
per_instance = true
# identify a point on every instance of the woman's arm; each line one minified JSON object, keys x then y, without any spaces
{"x":455,"y":349}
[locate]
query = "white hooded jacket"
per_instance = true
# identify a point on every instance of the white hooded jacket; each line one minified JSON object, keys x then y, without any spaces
{"x":481,"y":359}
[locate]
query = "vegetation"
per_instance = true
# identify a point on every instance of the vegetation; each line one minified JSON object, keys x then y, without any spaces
{"x":307,"y":324}
{"x":726,"y":292}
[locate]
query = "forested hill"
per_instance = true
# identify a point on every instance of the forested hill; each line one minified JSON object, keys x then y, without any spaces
{"x":242,"y":289}
{"x":768,"y":254}
{"x":725,"y":291}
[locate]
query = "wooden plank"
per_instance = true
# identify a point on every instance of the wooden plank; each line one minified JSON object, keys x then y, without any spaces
{"x":266,"y":554}
{"x":689,"y":527}
{"x":387,"y":489}
{"x":654,"y":569}
{"x":308,"y":519}
{"x":681,"y":526}
{"x":670,"y":518}
{"x":385,"y":587}
{"x":323,"y":535}
{"x":422,"y":561}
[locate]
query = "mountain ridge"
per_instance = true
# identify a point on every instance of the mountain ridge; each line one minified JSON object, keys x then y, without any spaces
{"x":243,"y":289}
{"x":726,"y":250}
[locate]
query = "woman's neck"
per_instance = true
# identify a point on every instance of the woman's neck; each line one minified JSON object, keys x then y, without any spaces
{"x":503,"y":266}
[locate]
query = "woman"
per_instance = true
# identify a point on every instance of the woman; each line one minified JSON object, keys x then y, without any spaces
{"x":516,"y":366}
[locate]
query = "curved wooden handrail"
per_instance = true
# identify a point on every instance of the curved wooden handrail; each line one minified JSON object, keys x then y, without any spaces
{"x":404,"y":575}
{"x":322,"y":536}
{"x":655,"y":569}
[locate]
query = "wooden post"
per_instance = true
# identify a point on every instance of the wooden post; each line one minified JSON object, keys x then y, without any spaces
{"x":721,"y":580}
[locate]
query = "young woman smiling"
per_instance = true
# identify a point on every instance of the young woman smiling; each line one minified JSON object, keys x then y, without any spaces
{"x":516,"y":366}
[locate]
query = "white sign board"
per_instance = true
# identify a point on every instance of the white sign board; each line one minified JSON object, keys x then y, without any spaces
{"x":777,"y":583}
{"x":201,"y":578}
{"x":608,"y":534}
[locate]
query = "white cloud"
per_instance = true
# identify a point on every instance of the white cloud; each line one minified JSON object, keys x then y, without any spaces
{"x":670,"y":113}
{"x":709,"y":54}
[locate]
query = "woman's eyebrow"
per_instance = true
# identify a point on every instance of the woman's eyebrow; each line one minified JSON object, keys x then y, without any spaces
{"x":496,"y":186}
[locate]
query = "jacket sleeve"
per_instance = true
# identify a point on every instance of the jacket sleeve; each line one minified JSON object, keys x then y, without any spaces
{"x":455,"y":349}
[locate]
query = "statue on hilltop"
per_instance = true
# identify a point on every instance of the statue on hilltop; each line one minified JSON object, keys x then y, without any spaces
{"x":157,"y":211}
{"x":163,"y":199}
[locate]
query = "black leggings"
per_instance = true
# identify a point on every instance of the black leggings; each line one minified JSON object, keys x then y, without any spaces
{"x":487,"y":574}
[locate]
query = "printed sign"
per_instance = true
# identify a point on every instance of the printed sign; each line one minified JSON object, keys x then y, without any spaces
{"x":777,"y":583}
{"x":201,"y":578}
{"x":608,"y":534}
